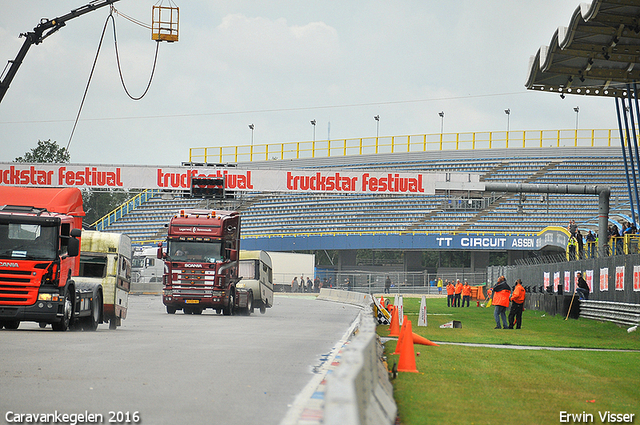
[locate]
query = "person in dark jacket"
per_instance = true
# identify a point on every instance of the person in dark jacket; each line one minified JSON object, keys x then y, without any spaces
{"x":583,"y":288}
{"x":500,"y":299}
{"x":517,"y":305}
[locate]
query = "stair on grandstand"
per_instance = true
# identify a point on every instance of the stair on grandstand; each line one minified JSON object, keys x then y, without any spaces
{"x":502,"y":199}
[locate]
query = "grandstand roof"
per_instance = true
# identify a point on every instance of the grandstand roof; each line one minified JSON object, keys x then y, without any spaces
{"x":596,"y":55}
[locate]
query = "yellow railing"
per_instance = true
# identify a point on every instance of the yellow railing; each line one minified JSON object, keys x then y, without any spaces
{"x":408,"y":143}
{"x":124,"y":208}
{"x":619,"y":245}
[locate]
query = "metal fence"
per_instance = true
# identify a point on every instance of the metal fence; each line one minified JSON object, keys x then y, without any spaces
{"x":614,"y":278}
{"x":374,"y":282}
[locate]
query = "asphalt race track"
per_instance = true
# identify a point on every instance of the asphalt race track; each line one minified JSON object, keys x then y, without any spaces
{"x":171,"y":369}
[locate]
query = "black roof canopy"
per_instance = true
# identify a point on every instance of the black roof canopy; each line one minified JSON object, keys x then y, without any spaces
{"x":596,"y":55}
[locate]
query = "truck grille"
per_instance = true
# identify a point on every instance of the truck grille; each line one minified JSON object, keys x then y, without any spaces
{"x":200,"y":292}
{"x":17,"y":288}
{"x":194,"y":283}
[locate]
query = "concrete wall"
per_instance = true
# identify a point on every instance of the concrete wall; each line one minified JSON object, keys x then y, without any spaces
{"x":358,"y":392}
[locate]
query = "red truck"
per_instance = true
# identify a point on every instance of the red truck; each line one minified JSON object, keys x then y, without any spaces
{"x":201,"y":263}
{"x":40,"y":231}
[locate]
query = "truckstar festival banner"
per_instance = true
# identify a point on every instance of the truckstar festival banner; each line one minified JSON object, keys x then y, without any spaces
{"x":267,"y":180}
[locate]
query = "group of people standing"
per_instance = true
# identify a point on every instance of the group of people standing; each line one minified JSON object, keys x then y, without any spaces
{"x":501,"y":295}
{"x":577,"y":241}
{"x":458,"y":292}
{"x":307,"y":285}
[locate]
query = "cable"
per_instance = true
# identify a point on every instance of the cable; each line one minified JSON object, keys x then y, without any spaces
{"x":86,"y":89}
{"x":155,"y":59}
{"x":93,"y":67}
{"x":133,"y":20}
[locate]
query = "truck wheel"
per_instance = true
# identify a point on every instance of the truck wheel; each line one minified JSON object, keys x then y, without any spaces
{"x":263,"y":309}
{"x":67,"y":313}
{"x":113,"y":324}
{"x":228,"y":310}
{"x":249,"y":308}
{"x":11,"y":324}
{"x":91,"y":322}
{"x":42,"y":325}
{"x":171,"y":310}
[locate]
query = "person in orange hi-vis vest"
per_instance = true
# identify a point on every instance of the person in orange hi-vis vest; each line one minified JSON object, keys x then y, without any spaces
{"x":450,"y":291}
{"x":456,"y":301}
{"x":517,"y":305}
{"x":466,"y":293}
{"x":500,"y":300}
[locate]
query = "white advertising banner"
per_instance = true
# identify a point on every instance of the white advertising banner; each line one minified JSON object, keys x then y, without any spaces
{"x":589,"y":279}
{"x":267,"y":180}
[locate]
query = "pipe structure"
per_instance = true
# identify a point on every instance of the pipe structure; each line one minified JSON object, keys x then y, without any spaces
{"x":631,"y":141}
{"x":603,"y":192}
{"x":624,"y":157}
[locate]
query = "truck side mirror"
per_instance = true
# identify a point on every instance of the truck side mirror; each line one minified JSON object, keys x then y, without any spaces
{"x":75,"y":233}
{"x":159,"y":254}
{"x":73,"y":246}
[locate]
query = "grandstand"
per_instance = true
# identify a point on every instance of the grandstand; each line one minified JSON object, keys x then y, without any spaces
{"x":268,"y":217}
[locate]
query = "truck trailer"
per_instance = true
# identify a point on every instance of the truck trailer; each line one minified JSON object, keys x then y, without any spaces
{"x":256,"y":276}
{"x":40,"y":231}
{"x":201,"y":263}
{"x":105,"y":259}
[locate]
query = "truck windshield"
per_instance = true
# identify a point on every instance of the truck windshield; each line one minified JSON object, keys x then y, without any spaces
{"x":28,"y":241}
{"x":137,"y":263}
{"x":200,"y":252}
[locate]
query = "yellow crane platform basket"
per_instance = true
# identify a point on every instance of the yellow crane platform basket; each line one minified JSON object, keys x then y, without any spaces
{"x":165,"y":23}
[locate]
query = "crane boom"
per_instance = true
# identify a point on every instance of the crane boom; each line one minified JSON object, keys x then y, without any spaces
{"x":44,"y":29}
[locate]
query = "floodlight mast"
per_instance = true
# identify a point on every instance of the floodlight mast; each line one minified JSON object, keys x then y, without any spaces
{"x":43,"y":30}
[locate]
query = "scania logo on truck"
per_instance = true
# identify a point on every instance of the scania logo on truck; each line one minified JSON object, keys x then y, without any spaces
{"x":193,"y":265}
{"x":5,"y":264}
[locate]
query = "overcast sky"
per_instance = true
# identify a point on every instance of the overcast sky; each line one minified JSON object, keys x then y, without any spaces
{"x":279,"y":65}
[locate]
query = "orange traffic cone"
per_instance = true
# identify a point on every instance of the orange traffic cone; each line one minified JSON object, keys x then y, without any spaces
{"x":382,"y":301}
{"x":394,"y":326}
{"x":417,"y":339}
{"x":403,"y":333}
{"x":407,"y":361}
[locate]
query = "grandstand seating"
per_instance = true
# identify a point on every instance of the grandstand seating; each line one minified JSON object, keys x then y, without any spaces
{"x":287,"y":214}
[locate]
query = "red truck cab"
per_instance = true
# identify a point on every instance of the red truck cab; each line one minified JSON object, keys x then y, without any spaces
{"x":40,"y":232}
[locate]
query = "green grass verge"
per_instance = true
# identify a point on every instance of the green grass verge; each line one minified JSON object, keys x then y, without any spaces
{"x":480,"y":385}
